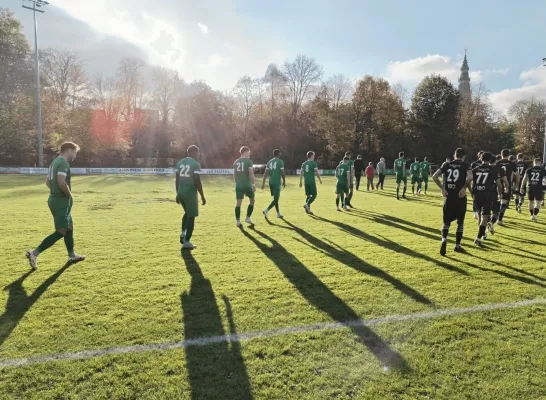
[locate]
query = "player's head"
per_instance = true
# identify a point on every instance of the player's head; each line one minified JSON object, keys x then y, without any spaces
{"x":346,"y":159}
{"x":512,"y":158}
{"x":359,"y":157}
{"x":348,"y":154}
{"x":505,"y":153}
{"x":425,"y":159}
{"x":401,"y":154}
{"x":499,"y":157}
{"x":486,"y":157}
{"x":459,"y":154}
{"x":69,"y":150}
{"x":276,"y":153}
{"x":537,"y":162}
{"x":480,"y":154}
{"x":311,"y":155}
{"x":370,"y":164}
{"x":193,"y":151}
{"x":520,"y":156}
{"x":382,"y":159}
{"x":245,"y":152}
{"x":416,"y":159}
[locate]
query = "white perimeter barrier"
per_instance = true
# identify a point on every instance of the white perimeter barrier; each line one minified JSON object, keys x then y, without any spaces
{"x":117,"y":171}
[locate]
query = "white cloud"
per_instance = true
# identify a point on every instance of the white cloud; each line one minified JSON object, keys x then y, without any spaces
{"x":203,"y":27}
{"x":215,"y":60}
{"x":534,"y":85}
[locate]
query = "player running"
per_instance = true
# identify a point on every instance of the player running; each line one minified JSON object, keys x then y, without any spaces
{"x":275,"y":170}
{"x":343,"y":174}
{"x":534,"y":176}
{"x":188,"y":184}
{"x":351,"y":165}
{"x":309,"y":169}
{"x":400,"y":170}
{"x":521,"y":166}
{"x":484,"y":176}
{"x":243,"y":175}
{"x":456,"y":177}
{"x":425,"y":173}
{"x":60,"y":204}
{"x":510,"y":170}
{"x":415,"y":171}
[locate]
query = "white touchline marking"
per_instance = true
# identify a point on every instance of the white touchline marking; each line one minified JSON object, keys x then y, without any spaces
{"x":204,"y":341}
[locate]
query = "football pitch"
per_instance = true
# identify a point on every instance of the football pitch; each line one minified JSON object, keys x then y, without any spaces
{"x":343,"y":305}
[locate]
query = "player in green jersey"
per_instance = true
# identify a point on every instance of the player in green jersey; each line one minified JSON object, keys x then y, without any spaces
{"x":351,"y":165}
{"x":309,"y":169}
{"x":60,"y":205}
{"x":243,"y":175}
{"x":275,"y":171}
{"x":400,"y":170}
{"x":343,"y":174}
{"x":415,"y":171}
{"x":188,"y":184}
{"x":425,"y":173}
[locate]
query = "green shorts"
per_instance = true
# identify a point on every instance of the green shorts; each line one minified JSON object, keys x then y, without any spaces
{"x":189,"y":203}
{"x":275,"y":190}
{"x":60,"y":208}
{"x":401,"y":178}
{"x":241,"y":192}
{"x":342,"y":188}
{"x":311,"y":189}
{"x":415,"y":179}
{"x":424,"y":178}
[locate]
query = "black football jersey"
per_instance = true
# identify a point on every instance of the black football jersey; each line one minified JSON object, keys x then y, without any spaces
{"x":535,"y":175}
{"x":484,"y":177}
{"x":454,"y":173}
{"x":475,"y":164}
{"x":509,"y":168}
{"x":521,"y":166}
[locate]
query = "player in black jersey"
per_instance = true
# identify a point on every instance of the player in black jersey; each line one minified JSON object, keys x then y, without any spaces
{"x":510,"y":170}
{"x":475,"y":164}
{"x":456,"y":177}
{"x":534,"y":177}
{"x":495,"y":208}
{"x":521,"y":166}
{"x":484,"y":177}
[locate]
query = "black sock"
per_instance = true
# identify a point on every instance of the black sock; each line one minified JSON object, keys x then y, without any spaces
{"x":404,"y":192}
{"x":337,"y":202}
{"x":459,"y":235}
{"x":445,"y":231}
{"x":481,"y":232}
{"x":532,"y":211}
{"x":536,"y":211}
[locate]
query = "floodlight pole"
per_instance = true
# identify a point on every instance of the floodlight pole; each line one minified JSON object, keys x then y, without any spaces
{"x":37,"y":6}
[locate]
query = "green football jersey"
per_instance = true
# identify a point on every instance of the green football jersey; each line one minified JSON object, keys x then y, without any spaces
{"x":341,"y":173}
{"x":186,"y":170}
{"x":309,"y":168}
{"x":275,"y":166}
{"x":399,"y":164}
{"x":425,"y":168}
{"x":242,"y":169}
{"x":415,"y":169}
{"x":59,"y":166}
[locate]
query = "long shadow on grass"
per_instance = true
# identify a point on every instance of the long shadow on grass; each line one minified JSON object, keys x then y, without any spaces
{"x":391,"y":245}
{"x":217,"y":370}
{"x":351,"y":260}
{"x":19,"y":302}
{"x":318,"y":294}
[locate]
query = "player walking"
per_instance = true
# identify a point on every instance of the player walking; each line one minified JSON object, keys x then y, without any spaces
{"x":509,"y":168}
{"x":415,"y":171}
{"x":343,"y":174}
{"x":188,"y":184}
{"x":484,"y":176}
{"x":60,"y":204}
{"x":456,"y":177}
{"x":243,"y":174}
{"x":473,"y":165}
{"x":309,"y":169}
{"x":425,"y":173}
{"x":521,"y":166}
{"x":400,"y":170}
{"x":534,"y":176}
{"x":351,"y":165}
{"x":275,"y":170}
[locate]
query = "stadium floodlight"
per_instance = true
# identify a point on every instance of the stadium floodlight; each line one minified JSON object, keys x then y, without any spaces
{"x":37,"y":6}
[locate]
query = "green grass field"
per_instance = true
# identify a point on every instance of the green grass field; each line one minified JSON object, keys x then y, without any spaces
{"x":379,"y":260}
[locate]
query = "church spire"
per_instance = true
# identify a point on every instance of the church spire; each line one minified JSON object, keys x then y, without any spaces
{"x":464,"y":79}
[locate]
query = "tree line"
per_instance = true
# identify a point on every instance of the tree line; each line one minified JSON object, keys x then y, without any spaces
{"x":148,"y":115}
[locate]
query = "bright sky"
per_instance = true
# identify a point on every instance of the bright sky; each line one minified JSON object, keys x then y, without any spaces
{"x":221,"y":40}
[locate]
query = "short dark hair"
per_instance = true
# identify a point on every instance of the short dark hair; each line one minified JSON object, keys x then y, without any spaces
{"x":512,"y":158}
{"x":538,"y":161}
{"x":459,"y":153}
{"x":276,"y":153}
{"x":69,"y":146}
{"x":243,"y":149}
{"x":345,"y":158}
{"x":348,"y":154}
{"x":521,"y":156}
{"x":193,"y":150}
{"x":480,"y":153}
{"x":498,"y":157}
{"x":505,"y":152}
{"x":370,"y":163}
{"x":425,"y":159}
{"x":401,"y":154}
{"x":310,"y":153}
{"x":416,"y":159}
{"x":487,"y":156}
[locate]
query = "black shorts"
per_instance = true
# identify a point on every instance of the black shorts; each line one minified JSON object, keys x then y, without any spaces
{"x":454,"y":209}
{"x":535,"y":194}
{"x":483,"y":203}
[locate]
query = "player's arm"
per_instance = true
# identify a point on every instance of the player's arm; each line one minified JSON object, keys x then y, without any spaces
{"x":252,"y":178}
{"x":266,"y":174}
{"x":48,"y":182}
{"x":505,"y":181}
{"x":349,"y":176}
{"x":61,"y":181}
{"x":518,"y":177}
{"x":283,"y":177}
{"x":317,"y":174}
{"x":521,"y":189}
{"x":301,"y":176}
{"x":436,"y":179}
{"x":499,"y":188}
{"x":462,"y":193}
{"x":199,"y":185}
